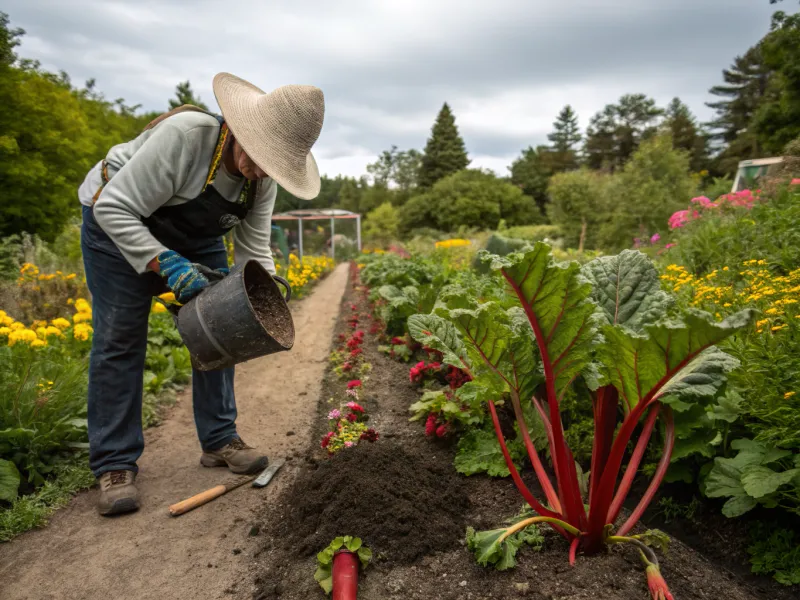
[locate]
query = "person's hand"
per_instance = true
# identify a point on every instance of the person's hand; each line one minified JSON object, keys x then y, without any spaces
{"x":183,"y":277}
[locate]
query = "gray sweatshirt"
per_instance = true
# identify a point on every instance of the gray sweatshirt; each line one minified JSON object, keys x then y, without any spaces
{"x":168,"y":165}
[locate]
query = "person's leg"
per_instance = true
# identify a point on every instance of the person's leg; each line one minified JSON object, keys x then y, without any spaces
{"x":212,"y":391}
{"x":120,"y":306}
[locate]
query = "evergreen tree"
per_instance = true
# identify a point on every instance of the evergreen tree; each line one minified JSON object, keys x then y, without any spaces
{"x":686,"y":135}
{"x":745,"y":86}
{"x":445,"y":153}
{"x":615,"y":133}
{"x":566,"y":132}
{"x":777,"y":119}
{"x":184,"y":94}
{"x":531,"y":173}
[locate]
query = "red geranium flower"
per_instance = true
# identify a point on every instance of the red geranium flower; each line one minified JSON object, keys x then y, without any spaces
{"x":327,"y":439}
{"x":352,"y":417}
{"x":354,"y":383}
{"x":370,"y":435}
{"x":430,"y":424}
{"x":441,"y":430}
{"x":355,"y":407}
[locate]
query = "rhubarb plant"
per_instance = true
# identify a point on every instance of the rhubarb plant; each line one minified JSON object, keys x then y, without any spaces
{"x":609,"y":330}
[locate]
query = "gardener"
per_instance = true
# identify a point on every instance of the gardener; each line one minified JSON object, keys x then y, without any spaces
{"x":155,"y":209}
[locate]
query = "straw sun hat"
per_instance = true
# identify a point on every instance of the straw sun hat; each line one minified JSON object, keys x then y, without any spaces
{"x":276,"y":129}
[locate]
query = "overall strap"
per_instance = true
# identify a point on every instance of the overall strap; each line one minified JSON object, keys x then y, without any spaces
{"x":248,"y":194}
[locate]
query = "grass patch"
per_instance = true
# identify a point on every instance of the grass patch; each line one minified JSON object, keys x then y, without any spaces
{"x":34,"y":510}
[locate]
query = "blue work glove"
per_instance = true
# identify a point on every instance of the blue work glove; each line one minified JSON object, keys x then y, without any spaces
{"x":182,"y":275}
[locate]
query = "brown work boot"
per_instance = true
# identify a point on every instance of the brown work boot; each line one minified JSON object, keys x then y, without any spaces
{"x":237,"y":456}
{"x":118,"y":493}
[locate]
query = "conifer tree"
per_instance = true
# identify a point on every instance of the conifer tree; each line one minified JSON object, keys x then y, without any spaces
{"x":445,"y":152}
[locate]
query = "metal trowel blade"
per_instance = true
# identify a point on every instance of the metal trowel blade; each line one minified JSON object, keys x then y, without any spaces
{"x":268,"y":473}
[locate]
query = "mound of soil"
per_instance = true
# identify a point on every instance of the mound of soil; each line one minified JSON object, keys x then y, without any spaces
{"x":402,"y":506}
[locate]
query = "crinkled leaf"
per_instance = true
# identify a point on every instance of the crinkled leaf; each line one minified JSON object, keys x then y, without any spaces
{"x":725,"y":479}
{"x":488,"y":549}
{"x":759,"y":481}
{"x":728,"y":408}
{"x":479,"y":452}
{"x":555,"y":298}
{"x":324,"y":576}
{"x":752,"y":452}
{"x":702,"y":442}
{"x":500,"y":338}
{"x":674,"y":358}
{"x":438,"y":333}
{"x":9,"y":480}
{"x":628,"y":289}
{"x":364,"y":555}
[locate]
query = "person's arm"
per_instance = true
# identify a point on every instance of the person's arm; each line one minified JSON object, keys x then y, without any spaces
{"x":153,"y":175}
{"x":251,"y":237}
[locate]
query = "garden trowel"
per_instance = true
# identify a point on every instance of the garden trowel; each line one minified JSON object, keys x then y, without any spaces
{"x":260,"y":480}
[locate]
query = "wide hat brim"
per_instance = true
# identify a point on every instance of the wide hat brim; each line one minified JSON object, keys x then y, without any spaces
{"x":254,"y":118}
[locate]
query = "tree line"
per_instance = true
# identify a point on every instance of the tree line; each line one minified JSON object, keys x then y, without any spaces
{"x":51,"y":132}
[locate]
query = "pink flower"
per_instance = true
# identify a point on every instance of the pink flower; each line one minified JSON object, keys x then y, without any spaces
{"x":670,"y":245}
{"x":704,"y":202}
{"x":346,"y":367}
{"x":355,"y":407}
{"x":655,"y":238}
{"x":354,"y":383}
{"x":795,"y":181}
{"x":396,"y":341}
{"x":334,"y":414}
{"x":679,"y":219}
{"x":349,"y":444}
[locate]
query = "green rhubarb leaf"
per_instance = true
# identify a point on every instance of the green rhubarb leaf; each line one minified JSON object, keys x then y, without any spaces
{"x":670,"y":358}
{"x":759,"y":481}
{"x":556,"y":300}
{"x":489,"y":550}
{"x":628,"y":289}
{"x":725,"y":479}
{"x":440,"y":334}
{"x":479,"y":452}
{"x":9,"y":480}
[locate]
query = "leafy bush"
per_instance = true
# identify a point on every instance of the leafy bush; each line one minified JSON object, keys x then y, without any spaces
{"x":381,"y":225}
{"x":775,"y":551}
{"x":469,"y":198}
{"x":640,"y":199}
{"x":578,"y":206}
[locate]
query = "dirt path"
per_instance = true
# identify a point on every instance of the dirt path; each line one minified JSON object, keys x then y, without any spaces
{"x":205,"y":553}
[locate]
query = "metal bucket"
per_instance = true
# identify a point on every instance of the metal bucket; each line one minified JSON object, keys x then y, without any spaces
{"x":238,"y":318}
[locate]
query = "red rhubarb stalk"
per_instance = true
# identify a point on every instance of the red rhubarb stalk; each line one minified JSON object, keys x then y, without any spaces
{"x":523,"y":489}
{"x":633,"y":465}
{"x":345,"y":575}
{"x":658,"y":477}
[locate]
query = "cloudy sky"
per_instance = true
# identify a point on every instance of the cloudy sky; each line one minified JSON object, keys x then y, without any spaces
{"x":506,"y":67}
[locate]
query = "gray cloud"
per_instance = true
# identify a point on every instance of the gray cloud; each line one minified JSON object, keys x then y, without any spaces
{"x":506,"y":66}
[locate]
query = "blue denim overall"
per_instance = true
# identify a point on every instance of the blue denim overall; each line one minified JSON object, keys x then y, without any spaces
{"x":121,"y":301}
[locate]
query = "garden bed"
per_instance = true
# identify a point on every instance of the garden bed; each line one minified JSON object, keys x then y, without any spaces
{"x":403,"y":497}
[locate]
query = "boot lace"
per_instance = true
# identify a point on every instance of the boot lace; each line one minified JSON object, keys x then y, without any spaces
{"x":238,"y":444}
{"x":118,"y":477}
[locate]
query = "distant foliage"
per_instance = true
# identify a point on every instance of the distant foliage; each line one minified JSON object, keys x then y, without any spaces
{"x":445,"y":153}
{"x":469,"y":198}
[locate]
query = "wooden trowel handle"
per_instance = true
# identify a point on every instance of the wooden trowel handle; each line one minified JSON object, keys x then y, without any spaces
{"x":197,"y":500}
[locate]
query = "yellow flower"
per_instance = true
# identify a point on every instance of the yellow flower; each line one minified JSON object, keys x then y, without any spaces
{"x":778,"y":327}
{"x":16,"y":326}
{"x":25,"y":336}
{"x":61,"y":323}
{"x":81,"y":317}
{"x":82,"y":331}
{"x":788,"y":395}
{"x":81,"y":305}
{"x":5,"y":331}
{"x":53,"y":331}
{"x":41,"y":332}
{"x":159,"y":308}
{"x":453,"y":243}
{"x":168,"y":297}
{"x":772,"y":311}
{"x":38,"y":344}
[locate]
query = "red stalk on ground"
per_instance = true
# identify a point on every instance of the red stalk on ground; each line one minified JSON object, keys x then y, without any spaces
{"x":345,"y":575}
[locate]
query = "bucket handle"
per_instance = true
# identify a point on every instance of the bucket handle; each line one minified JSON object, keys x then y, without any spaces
{"x":213,"y":277}
{"x":288,"y":295}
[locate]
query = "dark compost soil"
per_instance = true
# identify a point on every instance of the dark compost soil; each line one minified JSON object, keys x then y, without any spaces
{"x":403,"y":497}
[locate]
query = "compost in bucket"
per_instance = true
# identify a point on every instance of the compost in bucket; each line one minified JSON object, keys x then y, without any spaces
{"x":268,"y":306}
